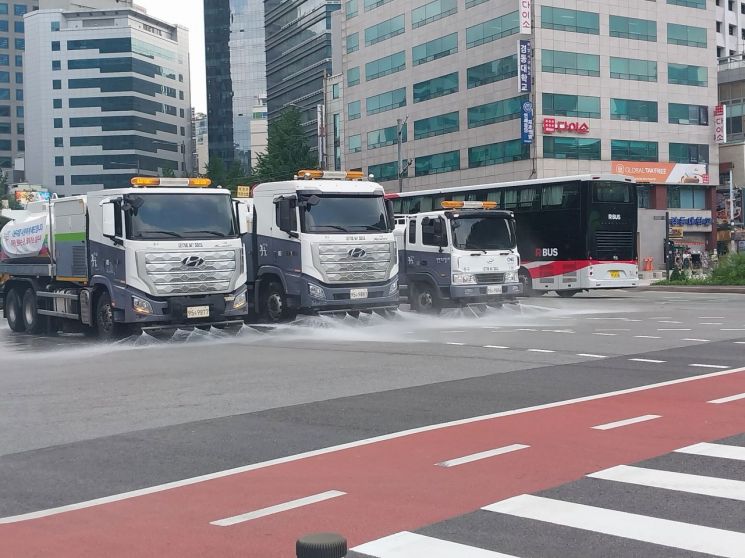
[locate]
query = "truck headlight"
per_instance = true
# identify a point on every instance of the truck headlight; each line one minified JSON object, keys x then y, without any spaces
{"x":239,"y":301}
{"x":141,"y":306}
{"x":464,"y":279}
{"x":511,"y":277}
{"x":316,"y":292}
{"x":393,"y":289}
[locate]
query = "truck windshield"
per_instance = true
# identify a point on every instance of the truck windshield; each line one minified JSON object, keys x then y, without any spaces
{"x":341,"y":214}
{"x":483,"y":233}
{"x":192,"y":216}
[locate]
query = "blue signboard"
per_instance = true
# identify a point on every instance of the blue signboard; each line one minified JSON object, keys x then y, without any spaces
{"x":524,"y":67}
{"x":527,"y":127}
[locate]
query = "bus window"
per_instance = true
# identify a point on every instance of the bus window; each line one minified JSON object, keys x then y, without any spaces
{"x":510,"y":199}
{"x":528,"y":197}
{"x":612,"y":192}
{"x":555,"y":196}
{"x":495,"y":196}
{"x":397,"y":206}
{"x":427,"y":203}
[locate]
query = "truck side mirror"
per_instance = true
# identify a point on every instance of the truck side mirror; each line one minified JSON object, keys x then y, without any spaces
{"x":109,"y":220}
{"x":242,"y":218}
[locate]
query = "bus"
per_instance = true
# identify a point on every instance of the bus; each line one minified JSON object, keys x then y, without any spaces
{"x":574,"y":233}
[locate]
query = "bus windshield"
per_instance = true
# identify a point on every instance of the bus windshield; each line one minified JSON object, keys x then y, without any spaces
{"x":612,"y":192}
{"x":343,"y":214}
{"x":483,"y":233}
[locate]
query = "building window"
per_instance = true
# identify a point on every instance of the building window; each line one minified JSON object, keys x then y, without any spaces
{"x":20,"y":112}
{"x":55,"y":46}
{"x":437,"y":163}
{"x":491,"y":72}
{"x":386,"y":136}
{"x":20,"y":44}
{"x":20,"y":9}
{"x":386,"y":101}
{"x":355,"y":143}
{"x":19,"y":94}
{"x":56,"y":65}
{"x":434,"y":49}
{"x":436,"y":87}
{"x":578,"y":106}
{"x":436,"y":125}
{"x":4,"y":42}
{"x":385,"y":66}
{"x":353,"y":76}
{"x":19,"y":77}
{"x":689,"y":153}
{"x":353,"y":110}
{"x":497,"y":153}
{"x":571,"y":148}
{"x":55,"y":26}
{"x":432,"y":11}
{"x":700,"y":4}
{"x":384,"y":171}
{"x":632,"y":69}
{"x":59,"y":180}
{"x":570,"y":20}
{"x":633,"y":28}
{"x":335,"y":91}
{"x":472,"y":3}
{"x":684,"y":74}
{"x":644,"y":196}
{"x":686,"y":197}
{"x":4,"y":94}
{"x":560,"y":62}
{"x":697,"y":115}
{"x":18,"y":26}
{"x":686,"y":35}
{"x":630,"y":109}
{"x":385,"y":30}
{"x":372,"y":4}
{"x":59,"y":142}
{"x":57,"y":84}
{"x":19,"y":61}
{"x":4,"y":25}
{"x":57,"y":103}
{"x":58,"y":123}
{"x":353,"y":42}
{"x":629,"y":150}
{"x":59,"y":161}
{"x":492,"y":30}
{"x":350,"y":8}
{"x":497,"y":111}
{"x":3,"y":8}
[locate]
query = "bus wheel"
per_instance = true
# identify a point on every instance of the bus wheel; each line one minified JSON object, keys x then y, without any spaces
{"x":33,"y":323}
{"x":425,"y":300}
{"x":567,"y":294}
{"x":527,"y":283}
{"x":13,"y":312}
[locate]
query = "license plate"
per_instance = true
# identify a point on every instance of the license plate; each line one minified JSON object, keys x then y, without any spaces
{"x":194,"y":312}
{"x":358,"y":293}
{"x":494,"y":289}
{"x":615,"y":274}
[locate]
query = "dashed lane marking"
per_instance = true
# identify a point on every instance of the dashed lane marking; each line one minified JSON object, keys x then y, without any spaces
{"x":739,"y":342}
{"x":540,"y":351}
{"x":482,"y":455}
{"x":711,"y":317}
{"x":589,"y":355}
{"x":495,"y":347}
{"x":729,"y":399}
{"x":721,"y":451}
{"x":699,"y":340}
{"x":606,"y":334}
{"x":457,"y":344}
{"x":711,"y":323}
{"x":733,"y":329}
{"x":673,"y":329}
{"x":680,"y":482}
{"x":675,"y":534}
{"x":717,"y":366}
{"x":625,"y":422}
{"x":407,"y":545}
{"x":279,"y":508}
{"x":649,"y":360}
{"x":647,"y":336}
{"x":669,"y":322}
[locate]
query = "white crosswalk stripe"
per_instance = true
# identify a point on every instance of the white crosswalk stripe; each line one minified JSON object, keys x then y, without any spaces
{"x":410,"y":545}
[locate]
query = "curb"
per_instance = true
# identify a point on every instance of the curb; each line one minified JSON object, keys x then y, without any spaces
{"x":695,"y":289}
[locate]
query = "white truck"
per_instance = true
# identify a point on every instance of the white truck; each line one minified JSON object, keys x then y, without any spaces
{"x":321,"y":243}
{"x":462,"y":255}
{"x":164,"y":253}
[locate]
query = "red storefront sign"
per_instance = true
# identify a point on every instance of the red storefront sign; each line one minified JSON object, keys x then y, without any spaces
{"x":552,"y":126}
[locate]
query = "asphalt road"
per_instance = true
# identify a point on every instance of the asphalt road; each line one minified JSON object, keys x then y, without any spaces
{"x":85,"y":421}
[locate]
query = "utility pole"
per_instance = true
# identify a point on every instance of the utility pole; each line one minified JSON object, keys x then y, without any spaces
{"x":399,"y":139}
{"x":733,"y":244}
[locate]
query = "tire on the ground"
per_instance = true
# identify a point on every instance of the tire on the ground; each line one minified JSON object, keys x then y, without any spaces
{"x":274,"y":306}
{"x":106,"y":328}
{"x":14,"y":312}
{"x":568,"y":293}
{"x":424,"y":299}
{"x":33,"y":323}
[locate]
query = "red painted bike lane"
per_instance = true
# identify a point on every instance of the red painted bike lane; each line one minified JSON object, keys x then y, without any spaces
{"x":390,"y":485}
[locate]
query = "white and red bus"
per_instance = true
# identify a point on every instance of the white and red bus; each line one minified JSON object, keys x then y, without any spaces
{"x":574,"y":233}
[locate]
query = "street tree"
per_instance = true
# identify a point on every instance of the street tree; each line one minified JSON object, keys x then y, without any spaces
{"x":287,"y":150}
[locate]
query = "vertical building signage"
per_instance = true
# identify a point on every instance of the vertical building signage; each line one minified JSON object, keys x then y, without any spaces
{"x":720,"y":124}
{"x":527,"y":126}
{"x":526,"y":16}
{"x":524,"y":67}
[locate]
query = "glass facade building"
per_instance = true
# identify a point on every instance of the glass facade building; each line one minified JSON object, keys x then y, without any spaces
{"x":234,"y":43}
{"x":298,"y":57}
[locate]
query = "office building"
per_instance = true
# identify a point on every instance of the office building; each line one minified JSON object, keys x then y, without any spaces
{"x":259,"y":129}
{"x":730,"y":27}
{"x":298,"y":57}
{"x":627,"y":87}
{"x":108,"y":98}
{"x":234,"y":43}
{"x":201,"y":141}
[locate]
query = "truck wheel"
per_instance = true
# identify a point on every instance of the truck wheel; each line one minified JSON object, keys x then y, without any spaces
{"x":107,"y":328}
{"x":13,"y":312}
{"x":425,"y":300}
{"x":274,"y":308}
{"x":33,"y":323}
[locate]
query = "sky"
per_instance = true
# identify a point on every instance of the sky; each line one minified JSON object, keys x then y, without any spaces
{"x":188,"y":13}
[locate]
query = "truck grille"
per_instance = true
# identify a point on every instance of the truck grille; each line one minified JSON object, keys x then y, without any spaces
{"x":614,"y":244}
{"x":489,"y":278}
{"x":203,"y":272}
{"x":354,"y":263}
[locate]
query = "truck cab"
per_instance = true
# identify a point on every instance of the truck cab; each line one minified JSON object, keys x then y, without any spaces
{"x":322,"y":242}
{"x":461,"y":255}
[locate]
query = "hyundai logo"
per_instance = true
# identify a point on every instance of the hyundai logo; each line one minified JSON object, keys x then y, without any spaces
{"x":357,"y":253}
{"x":192,"y":261}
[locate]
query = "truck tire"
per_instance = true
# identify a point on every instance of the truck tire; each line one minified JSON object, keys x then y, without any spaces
{"x":13,"y":312}
{"x":32,"y":321}
{"x":425,"y":300}
{"x":274,"y":304}
{"x":106,"y":327}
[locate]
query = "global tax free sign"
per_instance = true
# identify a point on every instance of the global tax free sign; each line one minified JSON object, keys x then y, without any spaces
{"x":554,"y":126}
